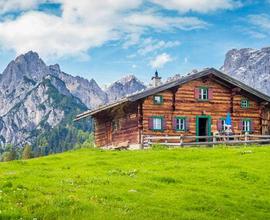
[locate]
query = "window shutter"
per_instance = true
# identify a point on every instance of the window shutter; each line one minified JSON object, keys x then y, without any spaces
{"x":241,"y":125}
{"x":197,"y":93}
{"x":187,"y":124}
{"x":150,"y":123}
{"x":174,"y":122}
{"x":210,"y":93}
{"x":251,"y":125}
{"x":219,"y":125}
{"x":163,"y":123}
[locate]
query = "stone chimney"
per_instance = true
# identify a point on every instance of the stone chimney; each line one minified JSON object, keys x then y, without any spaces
{"x":156,"y":80}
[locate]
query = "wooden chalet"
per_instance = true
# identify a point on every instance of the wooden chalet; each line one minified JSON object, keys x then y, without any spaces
{"x":195,"y":105}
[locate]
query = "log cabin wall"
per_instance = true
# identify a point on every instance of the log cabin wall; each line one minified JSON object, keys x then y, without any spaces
{"x":186,"y":105}
{"x":118,"y":125}
{"x":253,"y":112}
{"x":265,"y":119}
{"x":102,"y":130}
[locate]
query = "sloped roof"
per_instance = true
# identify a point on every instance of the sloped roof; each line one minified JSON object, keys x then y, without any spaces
{"x":171,"y":84}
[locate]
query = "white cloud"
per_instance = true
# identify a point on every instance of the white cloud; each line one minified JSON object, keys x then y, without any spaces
{"x":50,"y":35}
{"x":160,"y":60}
{"x":260,"y":26}
{"x":15,"y":5}
{"x":198,"y":5}
{"x":153,"y":21}
{"x":83,"y":25}
{"x":149,"y":45}
{"x":256,"y":34}
{"x":260,"y":20}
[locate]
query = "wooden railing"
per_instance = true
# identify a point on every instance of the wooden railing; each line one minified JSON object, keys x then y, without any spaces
{"x":205,"y":140}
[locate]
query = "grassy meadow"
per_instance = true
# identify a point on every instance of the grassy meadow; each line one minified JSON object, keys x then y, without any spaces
{"x":191,"y":183}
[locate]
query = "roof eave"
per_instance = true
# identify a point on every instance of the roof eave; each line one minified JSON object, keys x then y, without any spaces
{"x":172,"y":84}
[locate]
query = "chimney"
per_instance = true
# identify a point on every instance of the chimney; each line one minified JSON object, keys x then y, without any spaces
{"x":156,"y":80}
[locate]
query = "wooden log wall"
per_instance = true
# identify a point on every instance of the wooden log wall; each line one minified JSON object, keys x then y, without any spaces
{"x":265,"y":116}
{"x":223,"y":101}
{"x":126,"y":118}
{"x":180,"y":101}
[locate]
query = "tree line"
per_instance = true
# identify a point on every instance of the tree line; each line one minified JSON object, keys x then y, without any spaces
{"x":58,"y":140}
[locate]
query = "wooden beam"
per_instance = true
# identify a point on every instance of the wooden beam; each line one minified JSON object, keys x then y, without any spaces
{"x":237,"y":90}
{"x":140,"y":122}
{"x":174,"y":91}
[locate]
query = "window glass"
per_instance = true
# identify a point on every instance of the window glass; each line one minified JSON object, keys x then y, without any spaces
{"x":246,"y":125}
{"x":158,"y":99}
{"x":115,"y":125}
{"x":157,"y":123}
{"x":223,"y":124}
{"x":244,"y":103}
{"x":180,"y":124}
{"x":203,"y":94}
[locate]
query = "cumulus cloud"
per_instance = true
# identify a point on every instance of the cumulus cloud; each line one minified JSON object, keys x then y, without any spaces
{"x":160,"y":60}
{"x":50,"y":35}
{"x":84,"y":24}
{"x":16,"y":5}
{"x":198,"y":5}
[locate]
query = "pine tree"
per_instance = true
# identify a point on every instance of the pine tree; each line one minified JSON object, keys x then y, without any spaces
{"x":10,"y":155}
{"x":27,"y":152}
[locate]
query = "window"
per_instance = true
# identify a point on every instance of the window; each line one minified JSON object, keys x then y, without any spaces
{"x":246,"y":125}
{"x":223,"y":128}
{"x":116,"y":125}
{"x":158,"y":99}
{"x":221,"y":124}
{"x":203,"y":93}
{"x":157,"y":123}
{"x":244,"y":103}
{"x":180,"y":124}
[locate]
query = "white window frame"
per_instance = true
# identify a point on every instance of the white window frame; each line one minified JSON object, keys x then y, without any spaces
{"x":180,"y":123}
{"x":246,"y":125}
{"x":244,"y":103}
{"x":223,"y":128}
{"x":159,"y":99}
{"x":157,"y":123}
{"x":203,"y":93}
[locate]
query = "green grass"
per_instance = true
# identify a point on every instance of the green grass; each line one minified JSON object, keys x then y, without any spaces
{"x":220,"y":183}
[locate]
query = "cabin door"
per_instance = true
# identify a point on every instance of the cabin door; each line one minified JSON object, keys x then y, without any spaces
{"x":108,"y":133}
{"x":203,"y":127}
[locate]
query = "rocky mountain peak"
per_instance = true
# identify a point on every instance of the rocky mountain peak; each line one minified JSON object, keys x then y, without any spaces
{"x":29,"y":57}
{"x":251,"y":66}
{"x":27,"y":65}
{"x":55,"y":69}
{"x":127,"y":79}
{"x":127,"y":85}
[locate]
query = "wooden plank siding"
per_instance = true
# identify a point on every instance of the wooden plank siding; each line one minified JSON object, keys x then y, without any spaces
{"x":133,"y":117}
{"x":127,"y":119}
{"x":186,"y":105}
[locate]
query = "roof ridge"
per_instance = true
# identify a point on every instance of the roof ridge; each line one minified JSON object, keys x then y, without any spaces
{"x":177,"y":82}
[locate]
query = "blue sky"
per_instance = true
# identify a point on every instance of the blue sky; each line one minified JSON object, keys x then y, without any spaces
{"x":107,"y":39}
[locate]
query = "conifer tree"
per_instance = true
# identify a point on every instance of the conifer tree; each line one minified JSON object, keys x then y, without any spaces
{"x":27,"y":152}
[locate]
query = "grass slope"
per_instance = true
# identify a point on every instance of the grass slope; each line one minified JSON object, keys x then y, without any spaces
{"x":192,"y":183}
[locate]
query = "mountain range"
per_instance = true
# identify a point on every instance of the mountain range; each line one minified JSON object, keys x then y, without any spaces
{"x":36,"y":98}
{"x":38,"y":101}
